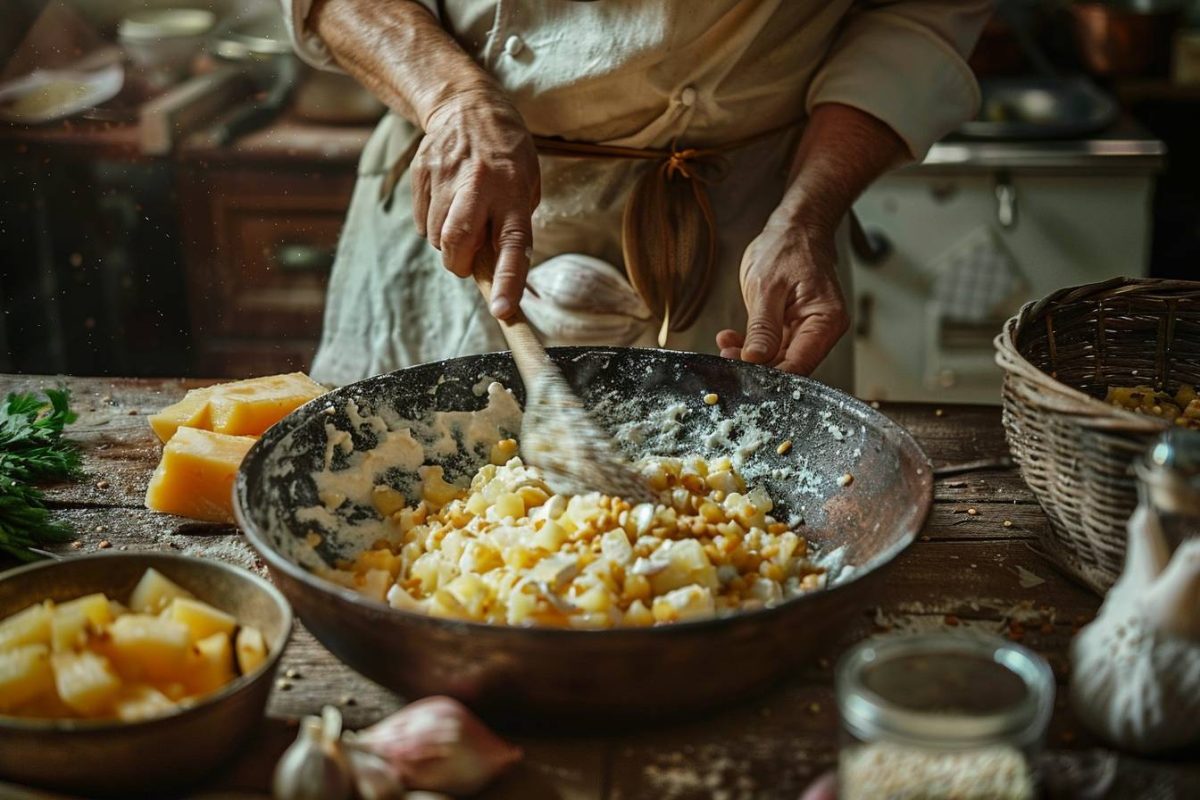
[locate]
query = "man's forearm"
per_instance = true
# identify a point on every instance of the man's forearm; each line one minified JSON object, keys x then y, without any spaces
{"x":841,"y":152}
{"x":399,"y":52}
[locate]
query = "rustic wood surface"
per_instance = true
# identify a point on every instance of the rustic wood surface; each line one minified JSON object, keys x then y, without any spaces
{"x":966,"y":570}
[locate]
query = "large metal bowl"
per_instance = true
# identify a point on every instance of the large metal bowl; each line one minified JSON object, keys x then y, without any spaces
{"x":127,"y":759}
{"x":520,"y":675}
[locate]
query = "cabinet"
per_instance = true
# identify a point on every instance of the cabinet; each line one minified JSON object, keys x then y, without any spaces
{"x":261,"y":222}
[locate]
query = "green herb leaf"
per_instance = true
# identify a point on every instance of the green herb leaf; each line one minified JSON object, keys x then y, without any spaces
{"x":32,"y":449}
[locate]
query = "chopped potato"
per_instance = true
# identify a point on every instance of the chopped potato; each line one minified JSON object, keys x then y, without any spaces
{"x":25,"y":675}
{"x":251,"y":649}
{"x":200,"y":618}
{"x":96,"y":658}
{"x":154,"y":592}
{"x":507,"y":550}
{"x":71,"y":622}
{"x":31,"y":626}
{"x":85,"y":681}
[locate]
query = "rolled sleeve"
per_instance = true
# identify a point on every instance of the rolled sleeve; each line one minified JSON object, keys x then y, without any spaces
{"x":307,"y":44}
{"x":905,"y":64}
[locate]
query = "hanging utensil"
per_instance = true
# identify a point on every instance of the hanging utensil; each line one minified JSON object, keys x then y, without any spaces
{"x":558,"y":435}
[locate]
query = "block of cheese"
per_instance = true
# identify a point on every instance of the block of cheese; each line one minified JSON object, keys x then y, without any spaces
{"x":240,"y":408}
{"x":190,"y":412}
{"x":248,"y":408}
{"x":195,"y":477}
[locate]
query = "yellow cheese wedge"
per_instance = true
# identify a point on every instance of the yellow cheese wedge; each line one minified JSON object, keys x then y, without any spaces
{"x":240,"y":408}
{"x":248,"y":408}
{"x":190,"y":412}
{"x":195,"y":477}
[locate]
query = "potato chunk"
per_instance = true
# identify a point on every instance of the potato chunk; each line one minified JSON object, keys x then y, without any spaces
{"x":71,"y":621}
{"x":154,"y":592}
{"x":145,"y":647}
{"x":85,"y":681}
{"x":31,"y":626}
{"x":201,"y":619}
{"x":25,"y":675}
{"x":210,"y":664}
{"x":251,"y":648}
{"x":139,"y":701}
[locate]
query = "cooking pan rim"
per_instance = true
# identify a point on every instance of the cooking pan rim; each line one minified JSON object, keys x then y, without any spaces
{"x":278,"y":561}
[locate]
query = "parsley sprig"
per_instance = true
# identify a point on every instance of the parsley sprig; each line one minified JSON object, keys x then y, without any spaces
{"x":32,"y":449}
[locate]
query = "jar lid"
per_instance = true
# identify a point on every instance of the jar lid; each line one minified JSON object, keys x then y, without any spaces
{"x":951,"y":691}
{"x":1171,"y":470}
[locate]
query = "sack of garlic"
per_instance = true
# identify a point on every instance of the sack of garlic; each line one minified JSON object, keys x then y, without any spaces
{"x":437,"y":745}
{"x":1136,"y":668}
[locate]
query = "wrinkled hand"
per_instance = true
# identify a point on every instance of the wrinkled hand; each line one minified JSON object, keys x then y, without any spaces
{"x":476,"y":176}
{"x":795,"y":306}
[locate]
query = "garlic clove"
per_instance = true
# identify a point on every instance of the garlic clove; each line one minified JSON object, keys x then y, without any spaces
{"x":438,"y":745}
{"x":315,"y":767}
{"x":374,"y":777}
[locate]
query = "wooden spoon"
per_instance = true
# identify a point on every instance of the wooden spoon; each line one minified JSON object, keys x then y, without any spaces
{"x":558,"y":435}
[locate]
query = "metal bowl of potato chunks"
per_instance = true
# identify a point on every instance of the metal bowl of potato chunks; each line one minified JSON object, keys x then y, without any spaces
{"x":126,"y":674}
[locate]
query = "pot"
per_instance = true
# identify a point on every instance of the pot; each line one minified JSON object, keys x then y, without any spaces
{"x":573,"y":678}
{"x":1126,"y":38}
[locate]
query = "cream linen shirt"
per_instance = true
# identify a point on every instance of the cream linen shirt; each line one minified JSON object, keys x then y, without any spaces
{"x":639,"y":73}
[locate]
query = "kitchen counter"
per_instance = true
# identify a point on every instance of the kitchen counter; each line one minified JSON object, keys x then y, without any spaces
{"x":1124,"y":146}
{"x":966,"y":571}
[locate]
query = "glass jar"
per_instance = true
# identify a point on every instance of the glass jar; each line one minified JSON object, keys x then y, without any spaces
{"x":941,"y":716}
{"x":1169,"y":486}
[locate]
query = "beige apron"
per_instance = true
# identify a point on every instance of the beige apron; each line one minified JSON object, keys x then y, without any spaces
{"x":392,"y":303}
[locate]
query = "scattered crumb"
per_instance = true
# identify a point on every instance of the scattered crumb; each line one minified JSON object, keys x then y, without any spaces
{"x":875,"y":404}
{"x":347,"y":700}
{"x":102,"y":484}
{"x":76,"y":545}
{"x":973,"y":512}
{"x":283,"y":684}
{"x":846,"y":480}
{"x":292,"y":673}
{"x":1028,"y":579}
{"x":784,"y":447}
{"x":100,"y":528}
{"x":939,"y":412}
{"x":710,"y":399}
{"x":105,"y":544}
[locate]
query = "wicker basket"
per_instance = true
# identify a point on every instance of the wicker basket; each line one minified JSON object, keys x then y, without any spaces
{"x":1060,"y":355}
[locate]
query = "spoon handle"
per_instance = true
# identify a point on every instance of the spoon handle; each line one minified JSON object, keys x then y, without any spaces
{"x":527,"y":349}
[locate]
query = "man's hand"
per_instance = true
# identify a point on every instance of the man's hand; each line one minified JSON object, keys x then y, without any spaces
{"x":476,"y":175}
{"x":796,"y":312}
{"x":795,"y":306}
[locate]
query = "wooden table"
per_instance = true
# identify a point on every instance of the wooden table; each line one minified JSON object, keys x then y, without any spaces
{"x":969,"y":569}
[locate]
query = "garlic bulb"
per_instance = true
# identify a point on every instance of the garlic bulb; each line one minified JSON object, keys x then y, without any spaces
{"x":575,"y":299}
{"x":315,"y":767}
{"x":1136,"y":676}
{"x":374,"y":778}
{"x":436,"y":744}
